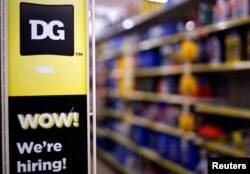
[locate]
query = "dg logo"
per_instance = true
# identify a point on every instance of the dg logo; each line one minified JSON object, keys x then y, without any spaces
{"x":46,"y":29}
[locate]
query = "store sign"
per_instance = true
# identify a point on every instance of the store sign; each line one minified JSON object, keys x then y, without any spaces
{"x":47,"y":29}
{"x":47,"y":86}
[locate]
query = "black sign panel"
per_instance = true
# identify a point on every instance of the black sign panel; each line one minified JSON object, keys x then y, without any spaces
{"x":48,"y":134}
{"x":229,"y":165}
{"x":46,"y":29}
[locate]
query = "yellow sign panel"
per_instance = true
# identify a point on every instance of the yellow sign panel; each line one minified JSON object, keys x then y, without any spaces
{"x":47,"y":47}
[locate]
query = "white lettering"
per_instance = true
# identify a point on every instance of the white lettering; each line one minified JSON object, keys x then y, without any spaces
{"x":47,"y":120}
{"x":38,"y":147}
{"x":215,"y":165}
{"x":25,"y":147}
{"x":230,"y":166}
{"x":39,"y":165}
{"x":48,"y":30}
{"x":28,"y":121}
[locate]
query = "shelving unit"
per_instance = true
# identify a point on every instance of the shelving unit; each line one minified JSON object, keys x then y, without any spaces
{"x":158,"y":127}
{"x":199,"y":32}
{"x":196,"y":68}
{"x":205,"y":107}
{"x":153,"y":97}
{"x":200,"y":107}
{"x":144,"y":152}
{"x":225,"y":111}
{"x":139,"y":121}
{"x":224,"y":149}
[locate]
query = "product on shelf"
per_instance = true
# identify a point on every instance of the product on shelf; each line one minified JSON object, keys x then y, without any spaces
{"x":111,"y":64}
{"x":163,"y":145}
{"x":159,"y":112}
{"x":187,"y":121}
{"x":172,"y":27}
{"x":189,"y":154}
{"x":104,"y":143}
{"x":155,"y":32}
{"x":205,"y":14}
{"x":174,"y":149}
{"x":147,"y":59}
{"x":111,"y":83}
{"x":243,"y":8}
{"x":233,"y":44}
{"x":114,"y":103}
{"x":121,"y":154}
{"x":188,"y":85}
{"x":220,"y":11}
{"x":238,"y":141}
{"x":204,"y":87}
{"x":202,"y":166}
{"x":153,"y":138}
{"x":210,"y":131}
{"x":125,"y":67}
{"x":241,"y":140}
{"x":148,"y":7}
{"x":167,"y":54}
{"x":168,"y":85}
{"x":166,"y":28}
{"x":189,"y":51}
{"x":202,"y":56}
{"x":115,"y":43}
{"x":213,"y":50}
{"x":232,"y":11}
{"x":140,"y":135}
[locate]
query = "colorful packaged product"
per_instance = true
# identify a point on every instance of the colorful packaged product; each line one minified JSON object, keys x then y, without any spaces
{"x":189,"y":155}
{"x":233,"y":44}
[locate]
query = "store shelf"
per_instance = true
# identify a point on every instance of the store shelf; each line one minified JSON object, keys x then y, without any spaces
{"x":110,"y":161}
{"x":153,"y":43}
{"x":141,"y":22}
{"x":158,"y":127}
{"x":221,"y":26}
{"x":196,"y":68}
{"x":180,"y":100}
{"x":224,"y":149}
{"x":144,"y":152}
{"x":169,"y":130}
{"x":199,"y":32}
{"x":153,"y":97}
{"x":110,"y":54}
{"x":222,"y":110}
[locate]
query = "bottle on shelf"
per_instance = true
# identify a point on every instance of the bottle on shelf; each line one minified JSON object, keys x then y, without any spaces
{"x":233,"y":44}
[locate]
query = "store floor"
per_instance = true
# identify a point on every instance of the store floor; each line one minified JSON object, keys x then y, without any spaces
{"x":102,"y":168}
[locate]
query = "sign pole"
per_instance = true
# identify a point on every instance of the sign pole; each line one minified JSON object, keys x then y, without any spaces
{"x":94,"y":85}
{"x":4,"y":87}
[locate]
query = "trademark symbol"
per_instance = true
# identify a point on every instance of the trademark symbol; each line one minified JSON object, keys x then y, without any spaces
{"x":79,"y":54}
